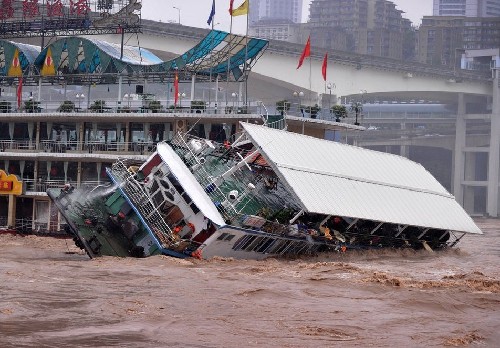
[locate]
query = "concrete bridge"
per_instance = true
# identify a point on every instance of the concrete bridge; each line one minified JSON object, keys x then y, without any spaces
{"x":349,"y":73}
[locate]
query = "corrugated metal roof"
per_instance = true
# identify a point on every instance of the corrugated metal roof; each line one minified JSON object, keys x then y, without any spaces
{"x":337,"y":179}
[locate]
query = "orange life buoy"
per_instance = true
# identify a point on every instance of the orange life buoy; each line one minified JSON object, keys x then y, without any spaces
{"x":191,"y":226}
{"x":197,"y":253}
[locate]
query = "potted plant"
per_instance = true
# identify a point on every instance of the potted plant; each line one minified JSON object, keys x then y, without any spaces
{"x":313,"y":110}
{"x":66,"y":106}
{"x":155,"y":106}
{"x":356,"y":107}
{"x":339,"y":111}
{"x":282,"y":106}
{"x":32,"y":106}
{"x":98,"y":106}
{"x":198,"y":105}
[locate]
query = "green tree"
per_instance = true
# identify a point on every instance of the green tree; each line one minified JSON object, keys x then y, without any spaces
{"x":282,"y":106}
{"x":339,"y":111}
{"x":66,"y":106}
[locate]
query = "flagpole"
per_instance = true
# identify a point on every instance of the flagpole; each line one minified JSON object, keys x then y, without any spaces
{"x":211,"y":65}
{"x":246,"y":58}
{"x":310,"y":81}
{"x":229,"y":56}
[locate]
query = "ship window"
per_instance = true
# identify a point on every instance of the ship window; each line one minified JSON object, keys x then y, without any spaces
{"x":157,"y":198}
{"x":186,"y":197}
{"x":266,"y":243}
{"x":154,"y":186}
{"x":229,"y":237}
{"x":253,"y":245}
{"x":248,"y":242}
{"x":196,"y":210}
{"x":165,"y":184}
{"x":240,"y":242}
{"x":222,"y":236}
{"x":169,"y":196}
{"x":176,"y":183}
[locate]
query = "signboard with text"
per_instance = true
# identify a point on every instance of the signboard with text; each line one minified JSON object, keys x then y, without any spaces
{"x":10,"y":184}
{"x":38,"y":17}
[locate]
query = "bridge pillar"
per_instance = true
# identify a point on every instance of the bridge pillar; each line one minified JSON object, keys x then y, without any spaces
{"x":458,"y":170}
{"x":404,"y":150}
{"x":469,"y":175}
{"x":494,"y":158}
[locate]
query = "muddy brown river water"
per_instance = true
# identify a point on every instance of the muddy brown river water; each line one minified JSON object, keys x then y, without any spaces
{"x":51,"y":295}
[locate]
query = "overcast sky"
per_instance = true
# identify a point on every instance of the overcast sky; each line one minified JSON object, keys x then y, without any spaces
{"x":195,"y":12}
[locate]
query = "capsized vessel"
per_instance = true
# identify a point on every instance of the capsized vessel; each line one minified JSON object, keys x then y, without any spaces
{"x":268,"y":193}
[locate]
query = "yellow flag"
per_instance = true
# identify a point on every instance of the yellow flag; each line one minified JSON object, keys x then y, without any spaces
{"x":242,"y":10}
{"x":48,"y":68}
{"x":15,"y":67}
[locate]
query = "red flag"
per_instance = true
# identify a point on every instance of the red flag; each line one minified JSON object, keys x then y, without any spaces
{"x":176,"y":88}
{"x":306,"y":52}
{"x":325,"y":66}
{"x":19,"y":92}
{"x":231,"y":7}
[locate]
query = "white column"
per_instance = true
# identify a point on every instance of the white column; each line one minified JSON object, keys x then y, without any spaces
{"x":99,"y":168}
{"x":21,"y":168}
{"x":193,"y":82}
{"x":39,"y":97}
{"x":118,"y":132}
{"x":458,"y":174}
{"x":120,"y":82}
{"x":494,"y":158}
{"x":31,"y":127}
{"x":49,"y":167}
{"x":49,"y":130}
{"x":208,"y":128}
{"x":65,"y":171}
{"x":146,"y":132}
{"x":216,"y":93}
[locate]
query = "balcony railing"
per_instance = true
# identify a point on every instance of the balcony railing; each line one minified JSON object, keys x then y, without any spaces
{"x":75,"y":146}
{"x":137,"y":106}
{"x":43,"y":185}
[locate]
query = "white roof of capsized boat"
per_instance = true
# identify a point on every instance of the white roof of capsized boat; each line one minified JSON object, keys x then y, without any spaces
{"x":330,"y":178}
{"x":190,"y":184}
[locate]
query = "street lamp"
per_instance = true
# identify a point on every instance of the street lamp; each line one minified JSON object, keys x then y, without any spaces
{"x":181,"y":95}
{"x":299,"y":95}
{"x":234,"y":95}
{"x":80,"y":97}
{"x":330,"y":86}
{"x":128,"y":97}
{"x":179,"y":10}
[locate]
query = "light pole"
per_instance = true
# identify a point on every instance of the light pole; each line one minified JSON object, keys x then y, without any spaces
{"x":127,"y":97}
{"x":299,"y":95}
{"x":178,"y":10}
{"x":234,"y":95}
{"x":330,"y":86}
{"x":181,"y":95}
{"x":357,"y":106}
{"x":80,"y":97}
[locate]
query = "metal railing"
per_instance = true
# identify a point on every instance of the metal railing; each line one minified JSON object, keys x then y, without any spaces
{"x":141,"y":202}
{"x":43,"y":185}
{"x":54,"y":146}
{"x":140,"y":106}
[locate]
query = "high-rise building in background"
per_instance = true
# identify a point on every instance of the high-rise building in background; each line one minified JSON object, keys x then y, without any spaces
{"x":468,"y":8}
{"x":442,"y":39}
{"x":373,"y":27}
{"x":275,"y":10}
